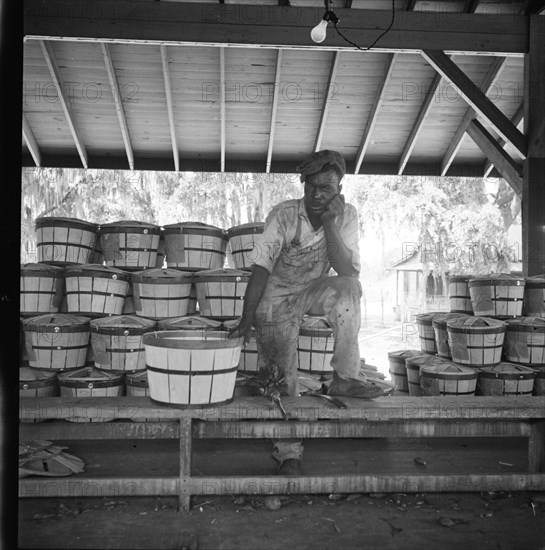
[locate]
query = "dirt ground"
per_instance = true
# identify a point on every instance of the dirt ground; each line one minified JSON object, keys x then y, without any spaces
{"x":377,"y":521}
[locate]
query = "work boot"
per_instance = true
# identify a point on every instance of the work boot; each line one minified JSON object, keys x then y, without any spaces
{"x":290,"y":467}
{"x":353,"y":387}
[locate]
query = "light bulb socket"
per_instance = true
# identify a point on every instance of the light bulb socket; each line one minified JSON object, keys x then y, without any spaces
{"x":330,"y":16}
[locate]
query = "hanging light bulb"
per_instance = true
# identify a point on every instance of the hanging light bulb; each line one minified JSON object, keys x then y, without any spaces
{"x":319,"y":31}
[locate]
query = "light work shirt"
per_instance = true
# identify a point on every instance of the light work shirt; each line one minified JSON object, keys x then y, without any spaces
{"x":293,"y":252}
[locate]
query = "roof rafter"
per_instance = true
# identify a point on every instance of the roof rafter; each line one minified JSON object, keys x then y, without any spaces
{"x":31,"y":143}
{"x":503,"y":162}
{"x":456,"y":141}
{"x":170,"y":110}
{"x":274,"y":109}
{"x":222,"y":109}
{"x":189,"y":23}
{"x":114,"y":85}
{"x":419,"y":123}
{"x":372,"y":119}
{"x":51,"y":62}
{"x":477,"y":99}
{"x":516,"y":119}
{"x":325,"y":107}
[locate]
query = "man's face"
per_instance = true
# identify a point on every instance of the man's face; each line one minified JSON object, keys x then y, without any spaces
{"x":320,"y":188}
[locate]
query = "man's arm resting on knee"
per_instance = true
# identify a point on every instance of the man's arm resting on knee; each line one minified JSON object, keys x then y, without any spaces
{"x":252,"y":297}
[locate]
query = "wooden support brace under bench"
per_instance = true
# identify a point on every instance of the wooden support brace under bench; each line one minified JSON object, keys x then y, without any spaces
{"x":258,"y":417}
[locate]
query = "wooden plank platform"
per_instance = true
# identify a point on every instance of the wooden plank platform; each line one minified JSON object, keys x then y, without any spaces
{"x":254,"y":418}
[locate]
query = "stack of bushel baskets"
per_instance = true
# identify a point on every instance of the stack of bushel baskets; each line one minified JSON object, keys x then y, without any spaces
{"x":492,"y":342}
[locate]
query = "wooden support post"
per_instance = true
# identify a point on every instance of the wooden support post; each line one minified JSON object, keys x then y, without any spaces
{"x":533,"y":188}
{"x":536,"y":448}
{"x":185,"y":464}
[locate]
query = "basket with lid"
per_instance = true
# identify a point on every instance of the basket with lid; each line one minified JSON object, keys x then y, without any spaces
{"x":398,"y":368}
{"x":426,"y":332}
{"x":534,"y":296}
{"x":37,"y":383}
{"x":525,"y":341}
{"x":42,"y":288}
{"x":458,"y":294}
{"x":248,"y":354}
{"x":65,"y":241}
{"x":194,"y":246}
{"x":414,"y":365}
{"x":476,"y":341}
{"x":161,"y":292}
{"x":439,"y":324}
{"x":220,"y":292}
{"x":91,"y":382}
{"x":189,"y":322}
{"x":56,"y":341}
{"x":117,"y":342}
{"x":497,"y":295}
{"x":130,"y":245}
{"x":315,"y":345}
{"x":506,"y":379}
{"x":242,"y":244}
{"x":447,"y":379}
{"x":190,"y":368}
{"x":95,"y":290}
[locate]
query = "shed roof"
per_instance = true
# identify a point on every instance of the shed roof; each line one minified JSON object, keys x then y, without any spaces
{"x":240,"y":86}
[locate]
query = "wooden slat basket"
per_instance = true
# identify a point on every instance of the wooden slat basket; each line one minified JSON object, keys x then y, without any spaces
{"x":42,"y":288}
{"x":117,"y":342}
{"x":476,"y":341}
{"x":497,"y":295}
{"x":243,"y":252}
{"x":426,"y":332}
{"x":37,"y":383}
{"x":398,"y":368}
{"x":65,"y":241}
{"x":136,"y":384}
{"x":439,"y":323}
{"x":220,"y":292}
{"x":249,"y":358}
{"x":161,"y":293}
{"x":448,"y":379}
{"x":56,"y":341}
{"x":534,"y":296}
{"x":191,"y":370}
{"x":130,"y":245}
{"x":506,"y":379}
{"x":458,"y":294}
{"x":190,"y":322}
{"x":95,"y":290}
{"x":194,"y":246}
{"x":525,"y":341}
{"x":315,"y":345}
{"x":91,"y":382}
{"x":414,"y":365}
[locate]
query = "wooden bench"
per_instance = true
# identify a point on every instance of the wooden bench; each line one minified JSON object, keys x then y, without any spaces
{"x":258,"y":417}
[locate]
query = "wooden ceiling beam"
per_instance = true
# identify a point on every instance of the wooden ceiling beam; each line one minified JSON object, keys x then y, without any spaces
{"x":516,"y":119}
{"x":274,"y":109}
{"x":496,"y":154}
{"x":49,"y":55}
{"x":181,"y":23}
{"x":456,"y":142}
{"x":222,"y":109}
{"x":419,"y":123}
{"x":477,"y":99}
{"x":114,"y":86}
{"x":170,"y":109}
{"x":375,"y":109}
{"x":31,"y":143}
{"x":325,"y":107}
